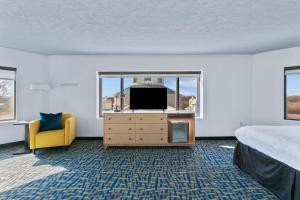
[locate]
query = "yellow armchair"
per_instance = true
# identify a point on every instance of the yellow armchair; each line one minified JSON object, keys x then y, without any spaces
{"x":54,"y":138}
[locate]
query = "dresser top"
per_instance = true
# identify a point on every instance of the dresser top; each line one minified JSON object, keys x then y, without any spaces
{"x":150,"y":111}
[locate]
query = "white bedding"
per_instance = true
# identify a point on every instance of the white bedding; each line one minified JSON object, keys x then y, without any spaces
{"x":279,"y":142}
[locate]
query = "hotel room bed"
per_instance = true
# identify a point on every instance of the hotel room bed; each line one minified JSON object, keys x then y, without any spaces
{"x":271,"y":155}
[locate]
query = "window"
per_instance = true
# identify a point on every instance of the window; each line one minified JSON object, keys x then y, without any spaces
{"x":292,"y":93}
{"x":170,"y":83}
{"x":188,"y":92}
{"x":127,"y":83}
{"x":7,"y":94}
{"x":184,"y":89}
{"x":110,"y":98}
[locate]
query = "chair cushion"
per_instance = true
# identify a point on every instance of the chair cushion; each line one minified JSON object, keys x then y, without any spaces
{"x":50,"y":122}
{"x":50,"y":138}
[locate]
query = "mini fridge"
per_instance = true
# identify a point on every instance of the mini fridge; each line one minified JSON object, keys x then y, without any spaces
{"x":178,"y":131}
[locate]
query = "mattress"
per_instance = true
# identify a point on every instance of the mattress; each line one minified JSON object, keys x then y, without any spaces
{"x":279,"y":142}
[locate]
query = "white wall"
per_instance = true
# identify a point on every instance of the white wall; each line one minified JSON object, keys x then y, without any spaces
{"x":268,"y":85}
{"x":30,"y":68}
{"x":237,"y":88}
{"x":227,"y":87}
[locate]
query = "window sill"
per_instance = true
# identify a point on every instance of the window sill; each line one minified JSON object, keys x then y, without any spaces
{"x":8,"y":121}
{"x":286,"y":119}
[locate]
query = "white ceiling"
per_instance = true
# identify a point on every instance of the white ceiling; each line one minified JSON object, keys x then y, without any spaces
{"x":149,"y":26}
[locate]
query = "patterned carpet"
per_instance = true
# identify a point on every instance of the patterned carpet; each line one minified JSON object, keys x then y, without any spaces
{"x":86,"y":172}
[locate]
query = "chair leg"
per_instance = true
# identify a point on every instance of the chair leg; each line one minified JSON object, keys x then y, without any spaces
{"x":67,"y":148}
{"x":33,"y":151}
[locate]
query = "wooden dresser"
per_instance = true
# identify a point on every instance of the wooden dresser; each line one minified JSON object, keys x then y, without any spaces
{"x":137,"y":129}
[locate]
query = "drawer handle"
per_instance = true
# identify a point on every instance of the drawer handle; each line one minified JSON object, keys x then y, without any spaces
{"x":109,"y":138}
{"x":161,"y":129}
{"x":109,"y":118}
{"x":141,"y":129}
{"x":141,"y":118}
{"x":129,"y":138}
{"x":161,"y":139}
{"x":109,"y":128}
{"x":129,"y":129}
{"x":141,"y":138}
{"x":161,"y":118}
{"x":130,"y":118}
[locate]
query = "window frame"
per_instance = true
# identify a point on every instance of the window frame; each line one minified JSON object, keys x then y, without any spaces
{"x":15,"y":92}
{"x":286,"y":69}
{"x":176,"y":74}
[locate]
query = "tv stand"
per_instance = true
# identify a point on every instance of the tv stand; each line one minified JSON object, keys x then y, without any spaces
{"x":144,"y":129}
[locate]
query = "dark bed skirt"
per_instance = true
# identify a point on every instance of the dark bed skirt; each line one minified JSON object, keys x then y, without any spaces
{"x":281,"y":179}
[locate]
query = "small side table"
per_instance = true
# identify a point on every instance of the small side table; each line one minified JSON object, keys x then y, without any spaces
{"x":26,"y":142}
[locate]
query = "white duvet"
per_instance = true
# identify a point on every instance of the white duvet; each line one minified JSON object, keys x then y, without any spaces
{"x":279,"y":142}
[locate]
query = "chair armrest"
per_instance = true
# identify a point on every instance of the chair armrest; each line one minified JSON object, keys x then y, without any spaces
{"x":34,"y":127}
{"x":70,"y":130}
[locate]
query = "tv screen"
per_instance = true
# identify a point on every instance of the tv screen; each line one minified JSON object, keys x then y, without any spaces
{"x":148,"y":98}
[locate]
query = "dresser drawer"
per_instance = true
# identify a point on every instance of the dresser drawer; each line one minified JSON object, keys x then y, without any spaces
{"x":151,"y":128}
{"x":119,"y":118}
{"x":119,"y":128}
{"x":151,"y":118}
{"x":151,"y":139}
{"x":118,"y":138}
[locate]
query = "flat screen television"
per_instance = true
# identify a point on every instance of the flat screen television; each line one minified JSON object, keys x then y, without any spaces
{"x":148,"y":98}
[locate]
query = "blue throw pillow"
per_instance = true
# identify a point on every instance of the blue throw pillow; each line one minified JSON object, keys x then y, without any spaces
{"x":50,"y":121}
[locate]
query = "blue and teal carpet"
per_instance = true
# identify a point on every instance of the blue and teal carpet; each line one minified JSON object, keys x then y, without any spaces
{"x":86,"y":172}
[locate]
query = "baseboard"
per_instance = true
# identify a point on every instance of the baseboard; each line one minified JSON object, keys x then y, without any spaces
{"x":101,"y":138}
{"x":89,"y":138}
{"x":197,"y":138}
{"x":217,"y":138}
{"x":11,"y":144}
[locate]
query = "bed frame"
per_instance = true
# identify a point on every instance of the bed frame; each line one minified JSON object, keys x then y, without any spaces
{"x":281,"y":179}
